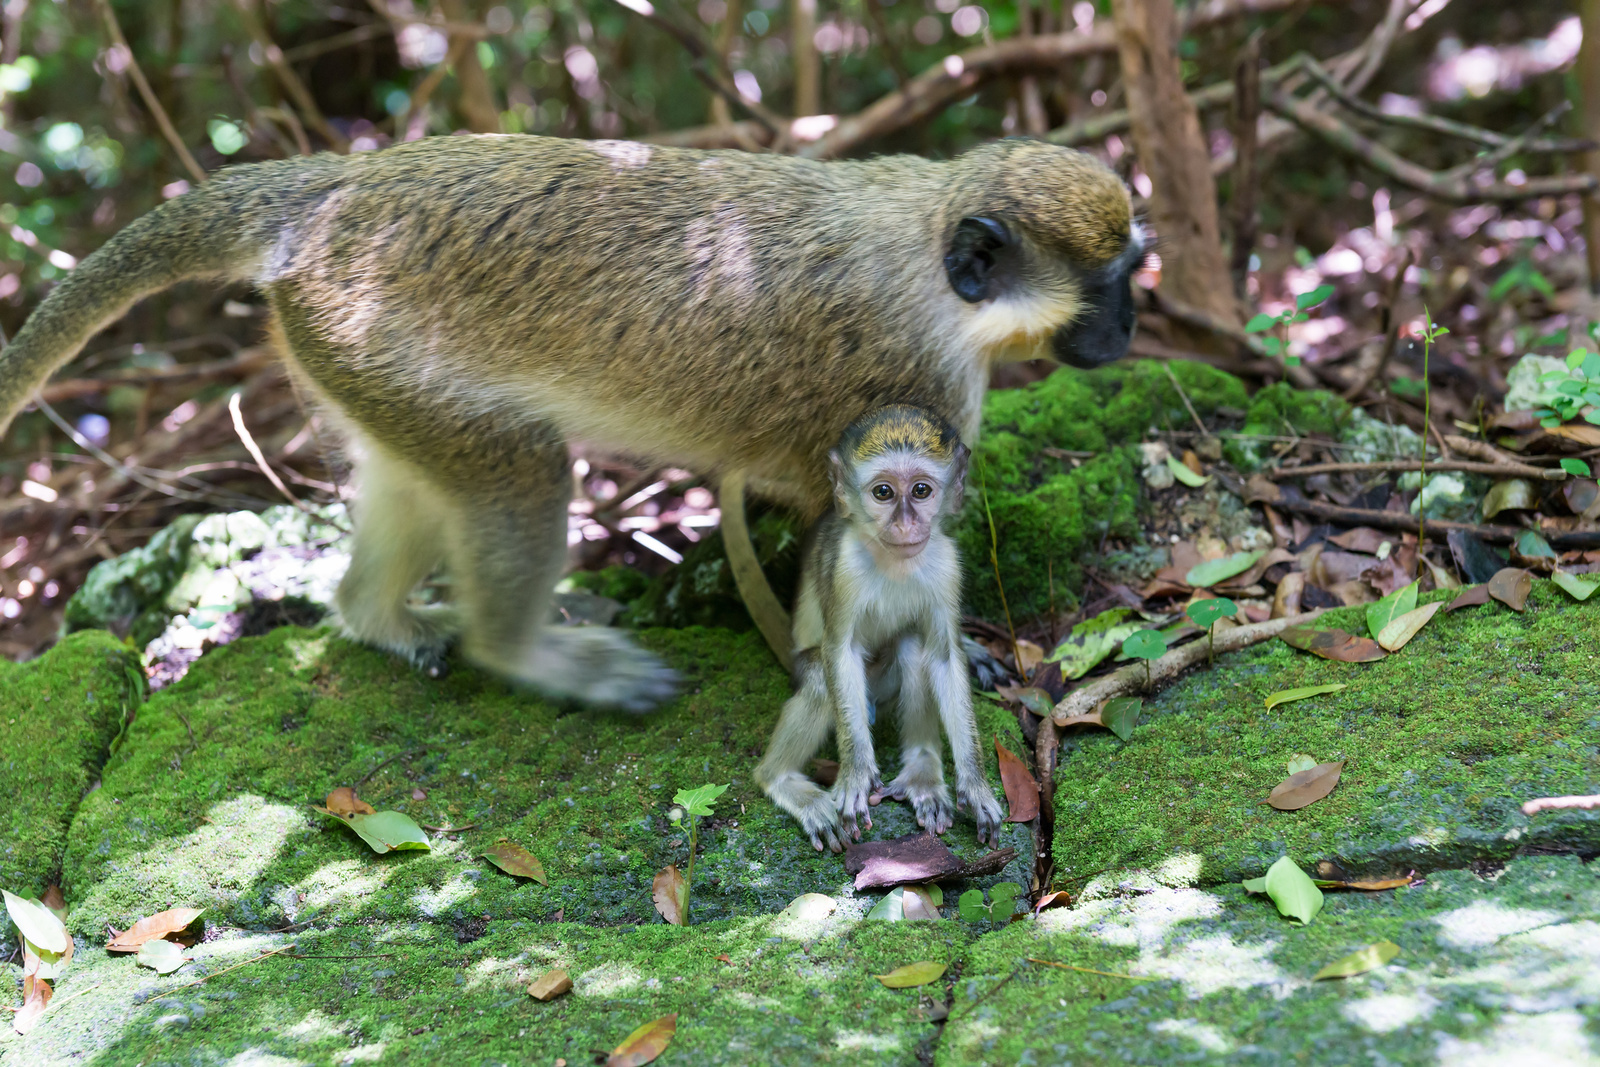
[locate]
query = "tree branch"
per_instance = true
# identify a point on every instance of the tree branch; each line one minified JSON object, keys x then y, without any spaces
{"x":159,"y":113}
{"x":288,"y":78}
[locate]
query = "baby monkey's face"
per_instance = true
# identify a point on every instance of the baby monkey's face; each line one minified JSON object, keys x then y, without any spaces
{"x":901,"y":500}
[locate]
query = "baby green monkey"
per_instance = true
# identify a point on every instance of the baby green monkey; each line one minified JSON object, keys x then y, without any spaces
{"x":875,"y":625}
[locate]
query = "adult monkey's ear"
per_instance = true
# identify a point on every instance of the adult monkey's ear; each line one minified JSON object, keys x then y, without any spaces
{"x":975,"y":252}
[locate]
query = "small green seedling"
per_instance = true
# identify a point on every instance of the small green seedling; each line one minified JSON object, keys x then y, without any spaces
{"x":1431,"y":332}
{"x":1524,"y":277}
{"x":1002,"y":903}
{"x":1279,"y":346}
{"x":1206,"y":614}
{"x":693,"y":805}
{"x":1577,"y":392}
{"x":1146,"y":645}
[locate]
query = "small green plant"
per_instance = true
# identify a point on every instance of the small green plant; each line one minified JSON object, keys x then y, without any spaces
{"x":1577,"y":391}
{"x":1523,"y":277}
{"x":1279,"y":345}
{"x":1002,"y":903}
{"x":693,"y":805}
{"x":1146,"y":645}
{"x":1431,"y":332}
{"x":1206,"y":614}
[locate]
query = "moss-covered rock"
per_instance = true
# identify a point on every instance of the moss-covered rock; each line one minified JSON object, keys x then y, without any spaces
{"x":1281,"y":410}
{"x":58,"y":715}
{"x":206,"y":804}
{"x":127,"y":595}
{"x":1443,"y":740}
{"x":1051,"y":512}
{"x":1491,"y":970}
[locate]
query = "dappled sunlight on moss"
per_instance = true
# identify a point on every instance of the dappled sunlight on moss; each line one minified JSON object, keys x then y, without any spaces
{"x":607,"y":980}
{"x":342,"y":882}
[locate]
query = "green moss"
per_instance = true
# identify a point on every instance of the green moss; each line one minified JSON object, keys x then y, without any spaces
{"x":127,"y":595}
{"x":1443,"y":741}
{"x":221,"y":819}
{"x":1282,"y":410}
{"x":58,"y":714}
{"x":1049,"y":513}
{"x":622,"y":584}
{"x":1489,"y":972}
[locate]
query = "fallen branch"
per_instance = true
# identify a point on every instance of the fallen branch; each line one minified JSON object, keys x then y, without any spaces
{"x":159,"y":113}
{"x":1453,"y":186}
{"x":1496,"y":470}
{"x":1130,"y":680}
{"x":1533,"y":807}
{"x":1395,"y":520}
{"x":246,"y":362}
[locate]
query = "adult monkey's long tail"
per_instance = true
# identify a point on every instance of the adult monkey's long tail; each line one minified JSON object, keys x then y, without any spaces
{"x":197,"y":235}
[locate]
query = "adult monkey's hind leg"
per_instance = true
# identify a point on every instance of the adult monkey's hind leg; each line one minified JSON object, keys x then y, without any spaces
{"x":506,"y":542}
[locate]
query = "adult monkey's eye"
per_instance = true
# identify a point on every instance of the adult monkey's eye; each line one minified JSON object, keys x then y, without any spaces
{"x":883,"y":491}
{"x":922,"y":490}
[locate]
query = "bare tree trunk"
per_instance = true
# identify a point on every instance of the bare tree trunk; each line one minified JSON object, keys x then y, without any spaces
{"x":720,"y":113}
{"x":1589,"y":115}
{"x":475,"y":98}
{"x":807,"y":64}
{"x":1246,"y":179}
{"x":1172,"y":150}
{"x":1034,"y":123}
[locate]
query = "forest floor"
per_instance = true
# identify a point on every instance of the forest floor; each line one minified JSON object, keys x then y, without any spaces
{"x":345,"y":956}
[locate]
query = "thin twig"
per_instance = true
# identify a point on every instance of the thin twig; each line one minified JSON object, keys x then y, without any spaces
{"x":365,"y":778}
{"x":1391,"y":328}
{"x":1395,"y":520}
{"x":1091,"y":970}
{"x":247,"y":361}
{"x":256,"y":453}
{"x":159,"y":113}
{"x":288,"y":78}
{"x":225,"y":970}
{"x":449,"y":829}
{"x":1496,"y":470}
{"x":1185,"y":398}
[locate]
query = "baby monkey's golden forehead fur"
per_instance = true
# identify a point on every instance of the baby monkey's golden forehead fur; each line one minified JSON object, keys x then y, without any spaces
{"x":1064,"y":199}
{"x":899,"y":428}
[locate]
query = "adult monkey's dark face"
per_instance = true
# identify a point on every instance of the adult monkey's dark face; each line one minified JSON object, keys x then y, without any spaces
{"x":990,"y":263}
{"x":1102,"y":331}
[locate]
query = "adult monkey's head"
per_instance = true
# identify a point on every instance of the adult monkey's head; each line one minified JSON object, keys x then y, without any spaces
{"x":1042,"y":246}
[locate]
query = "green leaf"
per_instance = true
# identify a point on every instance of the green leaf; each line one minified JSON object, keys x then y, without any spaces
{"x":1296,"y":895}
{"x":1301,"y":763}
{"x":698,"y":801}
{"x":163,"y":957}
{"x":1531,"y":543}
{"x":1382,"y":612}
{"x":1092,"y":640}
{"x":1402,"y":628}
{"x":385,"y":831}
{"x":1146,"y":644}
{"x":1261,"y":323}
{"x":37,"y":922}
{"x":1206,"y":612}
{"x":1003,"y":899}
{"x":1574,"y":360}
{"x":1121,"y":715}
{"x":1360,"y":961}
{"x":1255,"y":885}
{"x":1301,"y":317}
{"x":1283,"y":696}
{"x":1180,"y":470}
{"x":971,"y":906}
{"x":1213,"y":571}
{"x":912,"y":974}
{"x":1576,"y":467}
{"x":1271,"y":345}
{"x":891,"y":909}
{"x":1313,"y":298}
{"x":1581,"y":586}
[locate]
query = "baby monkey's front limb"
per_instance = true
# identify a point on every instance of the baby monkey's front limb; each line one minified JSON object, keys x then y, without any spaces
{"x":858,"y":765}
{"x":802,"y":728}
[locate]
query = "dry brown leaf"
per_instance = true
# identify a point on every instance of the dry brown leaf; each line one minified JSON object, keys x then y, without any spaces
{"x":419,"y":793}
{"x":915,"y":858}
{"x":1471,"y":598}
{"x":917,"y":905}
{"x":1260,"y":489}
{"x":725,"y":958}
{"x":1306,"y":787}
{"x":1333,"y":644}
{"x":344,"y":803}
{"x":1511,"y":586}
{"x":550,"y":985}
{"x":1022,"y":791}
{"x":53,"y":900}
{"x":1286,"y":600}
{"x":1588,"y":436}
{"x":1059,"y":899}
{"x":1250,"y":577}
{"x":36,"y":994}
{"x":516,"y":860}
{"x":670,"y":892}
{"x":645,"y":1043}
{"x":1032,"y":655}
{"x":1368,"y":886}
{"x":161,"y":924}
{"x":1365,"y":539}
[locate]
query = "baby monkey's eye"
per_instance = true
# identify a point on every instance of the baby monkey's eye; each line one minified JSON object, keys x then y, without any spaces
{"x":883,"y":491}
{"x":922,"y":490}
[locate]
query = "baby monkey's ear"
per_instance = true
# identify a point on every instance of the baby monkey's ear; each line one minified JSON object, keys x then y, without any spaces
{"x":956,"y":491}
{"x":842,"y":490}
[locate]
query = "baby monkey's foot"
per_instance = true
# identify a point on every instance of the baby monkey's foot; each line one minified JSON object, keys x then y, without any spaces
{"x":820,"y":820}
{"x":852,"y":797}
{"x":928,"y":798}
{"x":985,"y":811}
